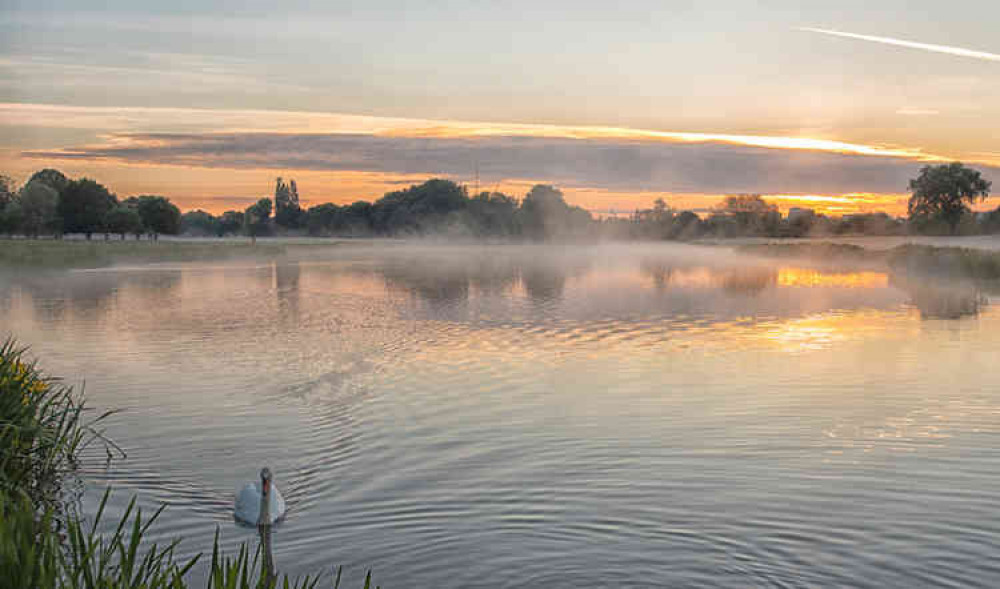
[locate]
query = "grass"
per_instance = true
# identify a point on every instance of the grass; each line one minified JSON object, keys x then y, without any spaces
{"x":823,"y":250}
{"x":907,"y":259}
{"x":24,"y":253}
{"x":957,"y":262}
{"x":43,"y":427}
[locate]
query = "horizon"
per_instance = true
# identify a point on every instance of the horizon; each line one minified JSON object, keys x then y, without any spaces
{"x":829,"y":112}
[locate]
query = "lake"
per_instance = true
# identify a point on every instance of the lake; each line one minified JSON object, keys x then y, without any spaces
{"x":574,"y":416}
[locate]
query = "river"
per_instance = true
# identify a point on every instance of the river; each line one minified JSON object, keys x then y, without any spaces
{"x":565,"y":416}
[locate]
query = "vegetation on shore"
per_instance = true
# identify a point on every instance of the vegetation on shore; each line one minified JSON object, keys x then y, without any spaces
{"x":907,"y":259}
{"x":52,"y":204}
{"x":43,"y":427}
{"x":96,"y":254}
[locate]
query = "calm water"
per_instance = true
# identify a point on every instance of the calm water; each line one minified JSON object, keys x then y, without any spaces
{"x":577,"y":417}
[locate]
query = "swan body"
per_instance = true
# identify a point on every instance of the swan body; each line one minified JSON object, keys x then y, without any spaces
{"x":251,"y":506}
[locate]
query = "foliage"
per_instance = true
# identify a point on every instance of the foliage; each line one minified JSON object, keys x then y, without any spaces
{"x":54,"y":178}
{"x":39,"y":209}
{"x":6,"y":190}
{"x":231,"y":222}
{"x":11,"y":217}
{"x":944,"y":192}
{"x":544,"y":214}
{"x":257,"y":217}
{"x":83,"y":205}
{"x":122,"y":219}
{"x":949,"y":261}
{"x":287,"y":212}
{"x":41,"y":435}
{"x":200,"y":223}
{"x":157,"y":213}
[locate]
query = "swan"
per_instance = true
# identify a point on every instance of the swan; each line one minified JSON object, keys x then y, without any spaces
{"x":260,"y":504}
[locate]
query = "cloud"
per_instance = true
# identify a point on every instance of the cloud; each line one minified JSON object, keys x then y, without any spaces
{"x":612,"y":163}
{"x":958,"y":51}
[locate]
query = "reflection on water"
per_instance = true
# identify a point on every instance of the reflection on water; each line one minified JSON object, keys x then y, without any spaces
{"x":943,"y":301}
{"x":520,"y":416}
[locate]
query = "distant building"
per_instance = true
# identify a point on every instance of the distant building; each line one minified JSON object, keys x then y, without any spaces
{"x":800,"y":213}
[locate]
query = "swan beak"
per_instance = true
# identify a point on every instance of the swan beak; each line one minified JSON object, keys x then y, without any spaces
{"x":267,"y":486}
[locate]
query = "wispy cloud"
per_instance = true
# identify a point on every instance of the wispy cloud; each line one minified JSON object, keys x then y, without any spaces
{"x":611,"y":163}
{"x":947,"y":49}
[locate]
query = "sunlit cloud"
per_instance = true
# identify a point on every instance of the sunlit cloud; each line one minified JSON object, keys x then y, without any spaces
{"x":111,"y":120}
{"x":605,"y":168}
{"x":947,"y":49}
{"x":917,"y":112}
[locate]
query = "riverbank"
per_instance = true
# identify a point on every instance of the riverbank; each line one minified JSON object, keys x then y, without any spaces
{"x":72,"y":253}
{"x":906,"y":259}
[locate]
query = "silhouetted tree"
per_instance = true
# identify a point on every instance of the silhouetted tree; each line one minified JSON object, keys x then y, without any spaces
{"x":122,"y":219}
{"x":257,"y":218}
{"x":944,"y":192}
{"x":83,"y":205}
{"x":544,"y":214}
{"x":39,"y":209}
{"x":200,"y":223}
{"x":231,"y":223}
{"x":158,"y":214}
{"x":287,"y":212}
{"x":54,"y":178}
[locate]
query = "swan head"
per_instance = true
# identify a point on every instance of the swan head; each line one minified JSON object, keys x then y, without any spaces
{"x":265,"y":479}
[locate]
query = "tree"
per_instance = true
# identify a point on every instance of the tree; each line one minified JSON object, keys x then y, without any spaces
{"x":231,"y":222}
{"x":6,"y":190}
{"x":257,"y":218}
{"x":944,"y":192}
{"x":11,"y":216}
{"x":287,"y":212}
{"x":122,"y":219}
{"x":39,"y":209}
{"x":83,"y":204}
{"x":10,"y":209}
{"x":199,"y":223}
{"x":54,"y":178}
{"x":753,"y":214}
{"x":544,"y":214}
{"x":158,"y":214}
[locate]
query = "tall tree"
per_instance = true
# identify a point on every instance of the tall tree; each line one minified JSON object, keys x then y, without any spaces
{"x":945,"y":192}
{"x":54,"y":178}
{"x":83,"y":205}
{"x":158,"y":214}
{"x":39,"y":209}
{"x":287,"y":212}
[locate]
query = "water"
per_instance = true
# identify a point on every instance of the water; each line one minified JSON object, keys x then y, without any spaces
{"x":509,"y":416}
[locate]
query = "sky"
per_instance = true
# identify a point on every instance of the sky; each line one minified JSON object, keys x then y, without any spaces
{"x":831,"y":105}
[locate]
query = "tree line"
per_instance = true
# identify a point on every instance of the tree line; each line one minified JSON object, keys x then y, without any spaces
{"x":436,"y":207}
{"x":50,"y":203}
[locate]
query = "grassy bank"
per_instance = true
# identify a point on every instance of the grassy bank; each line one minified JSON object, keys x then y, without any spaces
{"x":908,"y":259}
{"x":24,"y":253}
{"x":43,"y":427}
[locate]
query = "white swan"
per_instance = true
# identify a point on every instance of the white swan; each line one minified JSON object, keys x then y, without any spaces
{"x":260,"y":504}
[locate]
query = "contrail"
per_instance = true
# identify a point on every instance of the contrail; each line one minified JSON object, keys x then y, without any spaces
{"x":911,"y":44}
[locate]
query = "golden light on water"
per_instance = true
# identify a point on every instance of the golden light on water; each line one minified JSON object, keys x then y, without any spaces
{"x":808,"y":277}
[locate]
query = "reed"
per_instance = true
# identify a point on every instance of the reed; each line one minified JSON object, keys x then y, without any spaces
{"x":44,"y":426}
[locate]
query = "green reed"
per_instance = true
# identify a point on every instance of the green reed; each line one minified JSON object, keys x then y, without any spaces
{"x":44,"y":426}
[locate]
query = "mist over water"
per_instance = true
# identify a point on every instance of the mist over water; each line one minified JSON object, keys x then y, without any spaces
{"x":494,"y":416}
